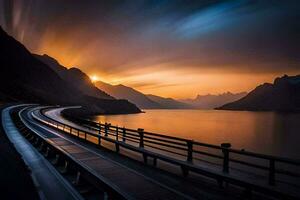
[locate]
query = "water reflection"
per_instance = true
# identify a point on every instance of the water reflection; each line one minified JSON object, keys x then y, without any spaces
{"x":264,"y":132}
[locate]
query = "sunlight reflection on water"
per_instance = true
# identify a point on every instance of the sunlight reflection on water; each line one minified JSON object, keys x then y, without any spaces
{"x":263,"y":132}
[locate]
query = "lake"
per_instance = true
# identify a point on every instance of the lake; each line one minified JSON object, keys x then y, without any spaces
{"x":263,"y":132}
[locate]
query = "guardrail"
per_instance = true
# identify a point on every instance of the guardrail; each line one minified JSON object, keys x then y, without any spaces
{"x":189,"y":147}
{"x":70,"y":167}
{"x":182,"y":152}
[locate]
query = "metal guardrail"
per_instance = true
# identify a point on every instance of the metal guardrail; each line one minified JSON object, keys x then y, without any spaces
{"x":190,"y":148}
{"x":61,"y":157}
{"x":174,"y":147}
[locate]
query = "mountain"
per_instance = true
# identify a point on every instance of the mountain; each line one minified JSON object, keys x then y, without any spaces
{"x":132,"y":95}
{"x":210,"y":101}
{"x":169,"y":103}
{"x":74,"y":77}
{"x":140,"y":99}
{"x":282,"y":95}
{"x":24,"y":78}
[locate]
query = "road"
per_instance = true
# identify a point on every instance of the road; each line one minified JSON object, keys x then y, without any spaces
{"x":45,"y":176}
{"x":129,"y":178}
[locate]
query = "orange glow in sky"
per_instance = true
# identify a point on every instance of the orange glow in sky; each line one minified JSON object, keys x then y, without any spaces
{"x":158,"y":79}
{"x":167,"y":80}
{"x":180,"y":52}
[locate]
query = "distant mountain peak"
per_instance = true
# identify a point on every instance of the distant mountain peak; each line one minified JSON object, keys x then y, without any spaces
{"x":121,"y":91}
{"x":220,"y":95}
{"x":51,"y":62}
{"x":46,"y":56}
{"x":282,"y":95}
{"x":168,"y":103}
{"x":76,"y":70}
{"x":211,"y":101}
{"x":124,"y":92}
{"x":124,"y":86}
{"x":75,"y":77}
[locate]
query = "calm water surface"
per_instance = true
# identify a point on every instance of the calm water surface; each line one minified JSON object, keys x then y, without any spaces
{"x":263,"y":132}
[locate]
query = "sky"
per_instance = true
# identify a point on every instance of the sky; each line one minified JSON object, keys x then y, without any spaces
{"x":172,"y":48}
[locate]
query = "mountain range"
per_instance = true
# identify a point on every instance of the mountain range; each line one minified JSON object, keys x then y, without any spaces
{"x":141,"y":100}
{"x":211,"y":101}
{"x":24,"y":78}
{"x":282,"y":95}
{"x":123,"y":92}
{"x":74,"y":77}
{"x":36,"y":78}
{"x":82,"y":82}
{"x":169,"y":103}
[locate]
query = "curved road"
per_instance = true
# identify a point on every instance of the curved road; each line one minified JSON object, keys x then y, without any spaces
{"x":130,"y":178}
{"x":46,"y":178}
{"x":130,"y":183}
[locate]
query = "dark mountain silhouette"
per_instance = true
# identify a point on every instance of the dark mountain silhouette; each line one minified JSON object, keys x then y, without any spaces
{"x":169,"y":103}
{"x":282,"y":95}
{"x":81,"y":81}
{"x":210,"y":101}
{"x":140,"y":99}
{"x":24,"y":78}
{"x":74,"y":77}
{"x":132,"y":95}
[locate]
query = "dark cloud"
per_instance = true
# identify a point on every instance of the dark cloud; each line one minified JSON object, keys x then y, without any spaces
{"x":115,"y":36}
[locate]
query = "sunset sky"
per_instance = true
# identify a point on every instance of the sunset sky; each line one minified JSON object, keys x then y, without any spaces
{"x":172,"y":48}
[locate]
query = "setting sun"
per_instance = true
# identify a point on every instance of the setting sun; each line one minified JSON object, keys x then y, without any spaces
{"x":94,"y":78}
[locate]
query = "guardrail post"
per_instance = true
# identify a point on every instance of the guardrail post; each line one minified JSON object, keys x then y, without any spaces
{"x":99,"y":139}
{"x":56,"y":160}
{"x":117,"y":133}
{"x":190,"y":151}
{"x":36,"y":141}
{"x":78,"y":178}
{"x":99,"y":136}
{"x":124,"y":135}
{"x":106,"y":126}
{"x":225,"y":147}
{"x":99,"y":128}
{"x":47,"y":153}
{"x":141,"y":133}
{"x":41,"y":146}
{"x":272,"y":172}
{"x":66,"y":167}
{"x":117,"y":140}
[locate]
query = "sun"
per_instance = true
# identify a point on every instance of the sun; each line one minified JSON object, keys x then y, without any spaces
{"x":94,"y":78}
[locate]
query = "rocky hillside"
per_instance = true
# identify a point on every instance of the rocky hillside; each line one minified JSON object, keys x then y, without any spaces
{"x":132,"y":95}
{"x":282,"y":95}
{"x":24,"y":78}
{"x":74,"y":77}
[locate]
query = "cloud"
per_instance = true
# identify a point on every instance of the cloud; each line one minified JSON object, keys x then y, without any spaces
{"x":124,"y":40}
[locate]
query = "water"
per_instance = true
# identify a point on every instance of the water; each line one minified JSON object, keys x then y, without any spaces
{"x":262,"y":132}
